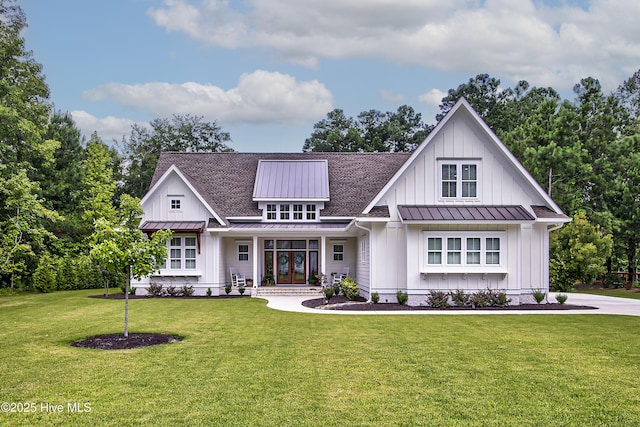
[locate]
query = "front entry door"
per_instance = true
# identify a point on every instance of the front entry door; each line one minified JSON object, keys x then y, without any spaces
{"x":292,"y":267}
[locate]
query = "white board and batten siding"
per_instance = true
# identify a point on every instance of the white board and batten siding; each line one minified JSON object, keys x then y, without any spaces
{"x":401,"y":248}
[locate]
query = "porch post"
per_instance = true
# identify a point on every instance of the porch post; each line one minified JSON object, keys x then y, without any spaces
{"x":323,"y":254}
{"x":256,"y":281}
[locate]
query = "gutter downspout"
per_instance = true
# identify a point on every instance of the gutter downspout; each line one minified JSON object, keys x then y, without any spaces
{"x":371,"y":263}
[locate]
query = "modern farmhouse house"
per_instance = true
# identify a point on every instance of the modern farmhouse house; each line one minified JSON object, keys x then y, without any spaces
{"x":460,"y":212}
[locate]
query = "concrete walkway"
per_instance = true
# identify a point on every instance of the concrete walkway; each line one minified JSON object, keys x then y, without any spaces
{"x":604,"y":305}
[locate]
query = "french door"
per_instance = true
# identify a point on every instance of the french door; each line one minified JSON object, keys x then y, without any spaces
{"x":292,"y":266}
{"x":290,"y":262}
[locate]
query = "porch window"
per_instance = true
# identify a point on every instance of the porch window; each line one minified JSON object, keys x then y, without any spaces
{"x":243,"y":252}
{"x":338,"y":252}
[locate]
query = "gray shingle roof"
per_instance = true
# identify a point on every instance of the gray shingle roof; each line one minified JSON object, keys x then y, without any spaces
{"x":226,"y":180}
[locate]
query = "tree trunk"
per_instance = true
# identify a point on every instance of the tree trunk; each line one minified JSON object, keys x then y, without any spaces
{"x":106,"y":287}
{"x":126,"y":303}
{"x":631,"y":262}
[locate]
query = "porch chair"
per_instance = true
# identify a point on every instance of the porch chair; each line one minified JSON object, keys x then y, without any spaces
{"x":339,"y":276}
{"x":237,"y":280}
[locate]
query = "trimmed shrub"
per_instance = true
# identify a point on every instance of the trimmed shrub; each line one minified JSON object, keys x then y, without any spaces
{"x":438,"y":299}
{"x":155,"y":290}
{"x":172,"y":291}
{"x":561,"y":298}
{"x":349,"y":288}
{"x":479,"y":299}
{"x":375,"y":297}
{"x":498,"y":299}
{"x":227,"y":288}
{"x":460,"y":299}
{"x":187,"y":291}
{"x":402,"y":297}
{"x":209,"y":292}
{"x":539,"y":295}
{"x":328,"y":292}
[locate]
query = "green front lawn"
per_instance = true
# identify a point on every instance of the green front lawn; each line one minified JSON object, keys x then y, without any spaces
{"x":244,"y":364}
{"x":611,"y":292}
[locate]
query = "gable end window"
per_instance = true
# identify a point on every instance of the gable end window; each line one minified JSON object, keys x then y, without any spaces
{"x":175,"y":203}
{"x":458,"y":179}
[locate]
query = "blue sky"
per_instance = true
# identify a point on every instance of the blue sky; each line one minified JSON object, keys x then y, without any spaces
{"x":267,"y":70}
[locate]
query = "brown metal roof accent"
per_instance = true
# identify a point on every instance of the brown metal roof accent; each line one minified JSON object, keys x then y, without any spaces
{"x":464,"y":213}
{"x":175,"y":226}
{"x":545,"y":212}
{"x":226,"y":180}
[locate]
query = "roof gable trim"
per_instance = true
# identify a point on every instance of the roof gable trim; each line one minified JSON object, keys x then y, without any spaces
{"x":174,"y":169}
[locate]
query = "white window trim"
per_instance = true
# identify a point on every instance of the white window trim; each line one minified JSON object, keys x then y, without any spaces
{"x":183,"y":270}
{"x":459,"y":163}
{"x":247,"y":253}
{"x":464,"y":267}
{"x":341,"y":253}
{"x":179,"y":199}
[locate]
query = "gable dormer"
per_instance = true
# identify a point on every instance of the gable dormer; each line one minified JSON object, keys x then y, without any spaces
{"x":291,"y":190}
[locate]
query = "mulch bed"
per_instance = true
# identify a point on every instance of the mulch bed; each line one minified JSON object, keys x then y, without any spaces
{"x":119,"y":342}
{"x":342,"y":303}
{"x":120,"y":296}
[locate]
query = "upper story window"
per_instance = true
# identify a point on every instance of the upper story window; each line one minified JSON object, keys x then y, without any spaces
{"x":458,"y":179}
{"x":175,"y":203}
{"x":291,"y":211}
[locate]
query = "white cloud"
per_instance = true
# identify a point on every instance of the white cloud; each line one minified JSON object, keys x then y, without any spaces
{"x":108,"y":128}
{"x":260,"y":97}
{"x":433,"y":97}
{"x":391,"y":96}
{"x":520,"y":39}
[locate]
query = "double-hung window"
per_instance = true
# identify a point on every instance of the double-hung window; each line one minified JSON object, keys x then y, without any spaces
{"x":182,"y":253}
{"x":458,"y":179}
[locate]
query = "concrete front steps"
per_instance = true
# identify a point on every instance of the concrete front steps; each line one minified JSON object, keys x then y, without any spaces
{"x":311,"y":291}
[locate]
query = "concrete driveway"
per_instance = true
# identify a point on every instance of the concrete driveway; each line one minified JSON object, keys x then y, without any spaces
{"x":604,"y":305}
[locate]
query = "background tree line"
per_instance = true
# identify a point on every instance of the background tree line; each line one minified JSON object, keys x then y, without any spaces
{"x":55,"y":185}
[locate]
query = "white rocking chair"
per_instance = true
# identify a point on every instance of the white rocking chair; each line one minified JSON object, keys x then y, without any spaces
{"x":237,"y":280}
{"x":337,"y":277}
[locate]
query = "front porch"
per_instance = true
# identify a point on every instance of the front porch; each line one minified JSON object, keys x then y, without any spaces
{"x":280,"y":264}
